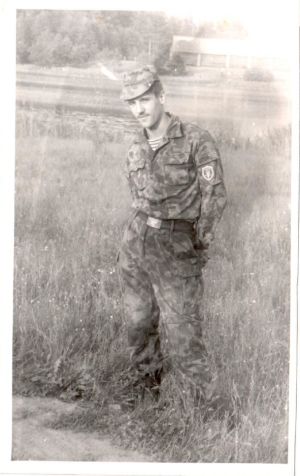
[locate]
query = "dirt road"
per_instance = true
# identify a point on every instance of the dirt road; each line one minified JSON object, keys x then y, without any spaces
{"x":34,"y":437}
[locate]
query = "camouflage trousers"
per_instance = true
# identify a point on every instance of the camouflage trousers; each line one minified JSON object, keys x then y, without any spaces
{"x":162,"y":291}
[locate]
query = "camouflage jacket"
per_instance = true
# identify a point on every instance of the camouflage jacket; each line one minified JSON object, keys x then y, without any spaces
{"x":182,"y":179}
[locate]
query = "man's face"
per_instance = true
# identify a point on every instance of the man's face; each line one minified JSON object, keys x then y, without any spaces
{"x":148,"y":109}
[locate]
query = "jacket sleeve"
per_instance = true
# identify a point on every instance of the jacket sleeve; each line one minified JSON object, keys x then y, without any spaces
{"x":212,"y":188}
{"x":134,"y":164}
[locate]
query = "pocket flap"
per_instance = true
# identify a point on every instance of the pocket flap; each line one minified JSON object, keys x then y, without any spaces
{"x":178,"y":158}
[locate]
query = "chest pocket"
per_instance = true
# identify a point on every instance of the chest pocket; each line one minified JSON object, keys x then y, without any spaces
{"x":137,"y":173}
{"x":179,"y":170}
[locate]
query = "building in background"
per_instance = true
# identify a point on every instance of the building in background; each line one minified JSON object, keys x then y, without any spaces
{"x":228,"y":53}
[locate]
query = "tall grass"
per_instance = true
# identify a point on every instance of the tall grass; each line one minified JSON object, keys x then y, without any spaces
{"x":115,"y":124}
{"x":69,"y":329}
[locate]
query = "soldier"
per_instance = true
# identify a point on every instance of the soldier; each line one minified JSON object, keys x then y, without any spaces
{"x":178,"y":196}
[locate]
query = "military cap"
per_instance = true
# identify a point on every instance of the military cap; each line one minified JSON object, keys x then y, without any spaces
{"x":137,"y":82}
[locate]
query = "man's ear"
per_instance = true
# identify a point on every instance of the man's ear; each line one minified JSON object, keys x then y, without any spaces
{"x":162,"y":97}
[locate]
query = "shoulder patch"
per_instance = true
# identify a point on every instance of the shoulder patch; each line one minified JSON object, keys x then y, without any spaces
{"x":208,"y":172}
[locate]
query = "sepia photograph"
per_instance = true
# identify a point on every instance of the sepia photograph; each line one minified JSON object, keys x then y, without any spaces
{"x":152,"y":235}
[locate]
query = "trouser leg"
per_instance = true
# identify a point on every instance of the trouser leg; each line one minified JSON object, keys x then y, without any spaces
{"x":142,"y":316}
{"x":185,"y":344}
{"x":179,"y":289}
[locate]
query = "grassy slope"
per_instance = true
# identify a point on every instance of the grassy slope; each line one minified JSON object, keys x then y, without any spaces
{"x":70,"y":338}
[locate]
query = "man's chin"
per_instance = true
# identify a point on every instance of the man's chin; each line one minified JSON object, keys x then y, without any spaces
{"x":144,"y":121}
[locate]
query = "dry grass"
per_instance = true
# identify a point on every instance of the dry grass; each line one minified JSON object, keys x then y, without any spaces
{"x":69,"y":329}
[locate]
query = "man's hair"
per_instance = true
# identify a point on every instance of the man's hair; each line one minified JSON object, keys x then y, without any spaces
{"x":156,"y":88}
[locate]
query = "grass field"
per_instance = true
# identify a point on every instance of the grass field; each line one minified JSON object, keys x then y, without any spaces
{"x":69,"y":329}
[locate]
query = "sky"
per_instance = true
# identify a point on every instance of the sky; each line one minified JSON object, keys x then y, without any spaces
{"x":265,"y":20}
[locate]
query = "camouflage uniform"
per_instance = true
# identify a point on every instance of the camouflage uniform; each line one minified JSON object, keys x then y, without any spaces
{"x":180,"y":187}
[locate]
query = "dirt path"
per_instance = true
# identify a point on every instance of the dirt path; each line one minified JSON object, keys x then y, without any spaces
{"x":34,"y":439}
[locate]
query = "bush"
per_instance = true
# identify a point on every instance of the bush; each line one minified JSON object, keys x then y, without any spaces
{"x":176,"y":65}
{"x":258,"y":74}
{"x":165,"y":65}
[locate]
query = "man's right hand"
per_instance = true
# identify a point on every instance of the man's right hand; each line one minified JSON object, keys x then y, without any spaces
{"x":202,"y":253}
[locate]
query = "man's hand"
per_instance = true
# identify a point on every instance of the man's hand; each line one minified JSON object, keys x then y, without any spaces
{"x":204,"y":239}
{"x":202,"y":252}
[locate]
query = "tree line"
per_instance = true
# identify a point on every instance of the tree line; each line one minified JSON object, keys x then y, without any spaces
{"x":58,"y":38}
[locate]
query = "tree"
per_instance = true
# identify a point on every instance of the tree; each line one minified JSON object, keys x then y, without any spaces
{"x":41,"y":52}
{"x":25,"y":37}
{"x":77,"y":37}
{"x":222,"y":29}
{"x":62,"y":52}
{"x":162,"y":58}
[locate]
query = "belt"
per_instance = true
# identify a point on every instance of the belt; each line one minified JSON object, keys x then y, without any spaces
{"x":172,"y":225}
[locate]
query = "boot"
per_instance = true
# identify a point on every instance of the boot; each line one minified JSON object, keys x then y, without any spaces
{"x":152,"y":385}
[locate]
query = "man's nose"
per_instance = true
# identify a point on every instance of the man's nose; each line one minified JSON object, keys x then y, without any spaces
{"x":139,"y":108}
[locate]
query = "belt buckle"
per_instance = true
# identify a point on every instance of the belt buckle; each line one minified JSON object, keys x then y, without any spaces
{"x":154,"y":222}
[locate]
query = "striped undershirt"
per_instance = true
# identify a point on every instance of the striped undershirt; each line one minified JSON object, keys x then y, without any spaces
{"x":154,"y":143}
